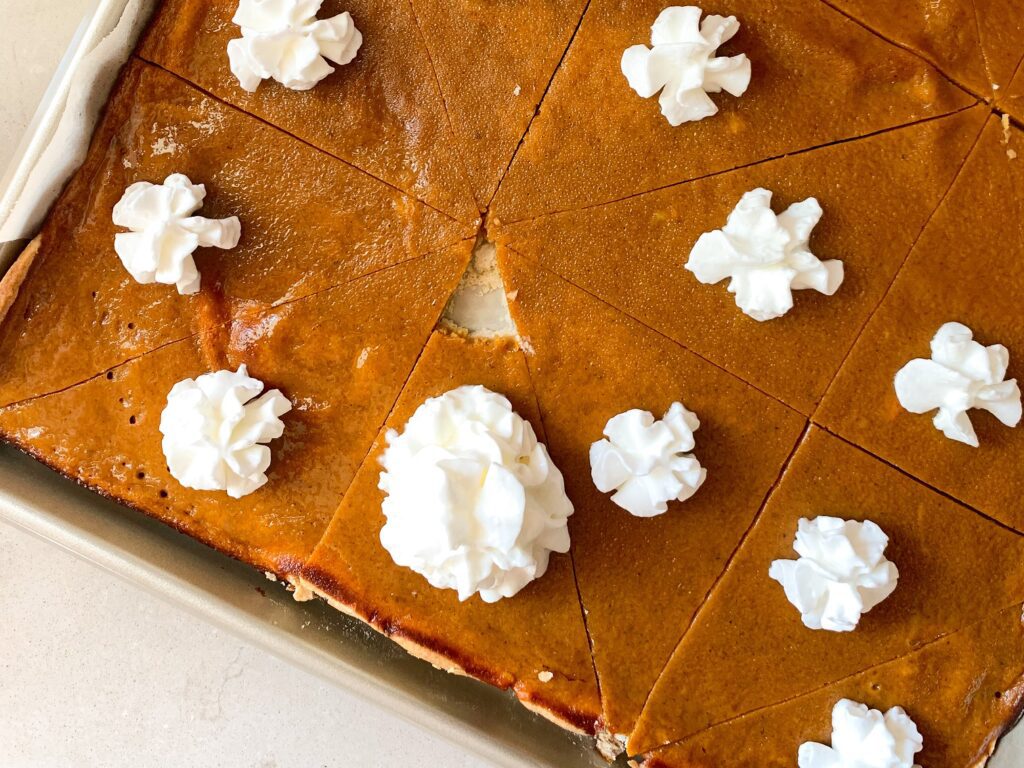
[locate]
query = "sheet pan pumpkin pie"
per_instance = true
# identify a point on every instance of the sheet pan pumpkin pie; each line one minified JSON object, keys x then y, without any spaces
{"x":729,"y":474}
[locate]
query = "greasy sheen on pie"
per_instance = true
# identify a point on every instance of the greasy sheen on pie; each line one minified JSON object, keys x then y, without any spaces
{"x":469,"y":131}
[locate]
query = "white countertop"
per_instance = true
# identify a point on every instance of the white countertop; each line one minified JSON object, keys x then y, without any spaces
{"x":94,"y":672}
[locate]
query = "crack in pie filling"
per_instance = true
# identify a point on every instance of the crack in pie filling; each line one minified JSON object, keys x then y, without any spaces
{"x":439,"y":197}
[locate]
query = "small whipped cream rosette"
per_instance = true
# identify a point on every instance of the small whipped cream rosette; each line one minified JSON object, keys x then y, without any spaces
{"x":646,"y":462}
{"x":285,"y":41}
{"x":841,"y":574}
{"x":765,"y":256}
{"x":214,"y":431}
{"x":682,"y":64}
{"x":164,"y":233}
{"x":865,"y":738}
{"x":961,"y":374}
{"x":473,"y":501}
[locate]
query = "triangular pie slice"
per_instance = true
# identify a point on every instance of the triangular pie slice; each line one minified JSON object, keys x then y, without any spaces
{"x":494,"y":62}
{"x":748,"y":647}
{"x":818,"y":77}
{"x":533,"y":643}
{"x":382,"y":112}
{"x":632,"y":253}
{"x":963,"y":692}
{"x":945,"y":32}
{"x":967,"y":267}
{"x":308,"y":222}
{"x":340,"y":357}
{"x":641,"y":580}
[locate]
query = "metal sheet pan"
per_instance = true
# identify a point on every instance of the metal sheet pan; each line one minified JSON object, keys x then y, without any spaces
{"x":312,"y":636}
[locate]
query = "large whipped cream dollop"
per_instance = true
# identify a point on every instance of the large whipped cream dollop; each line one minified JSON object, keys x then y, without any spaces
{"x":214,"y":431}
{"x":962,"y":374}
{"x":765,"y":256}
{"x":841,"y":574}
{"x":474,"y":502}
{"x":646,"y":462}
{"x":683,"y":66}
{"x":865,"y":738}
{"x":284,"y":40}
{"x":165,"y":233}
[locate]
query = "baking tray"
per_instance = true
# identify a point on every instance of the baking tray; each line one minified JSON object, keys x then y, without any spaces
{"x":231,"y":595}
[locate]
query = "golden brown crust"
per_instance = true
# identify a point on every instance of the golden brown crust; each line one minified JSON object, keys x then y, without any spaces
{"x":434,"y":652}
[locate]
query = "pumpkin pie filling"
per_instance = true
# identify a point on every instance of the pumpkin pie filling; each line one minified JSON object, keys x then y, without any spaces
{"x":968,"y":266}
{"x":546,"y":662}
{"x":381,"y":112}
{"x":358,"y":202}
{"x":631,"y":253}
{"x":952,"y":573}
{"x":818,"y":78}
{"x":342,"y":356}
{"x":493,"y":63}
{"x":1012,"y":100}
{"x":963,"y":690}
{"x":627,"y":565}
{"x":318,"y":223}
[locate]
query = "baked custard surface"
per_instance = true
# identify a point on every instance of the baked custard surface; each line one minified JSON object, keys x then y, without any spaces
{"x":361,"y":201}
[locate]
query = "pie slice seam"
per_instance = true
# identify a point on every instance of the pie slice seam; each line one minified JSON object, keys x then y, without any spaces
{"x":654,"y":330}
{"x":844,"y":678}
{"x":441,"y":96}
{"x":919,"y":481}
{"x":896,"y":275}
{"x":755,"y":163}
{"x":266,"y":122}
{"x":540,"y":104}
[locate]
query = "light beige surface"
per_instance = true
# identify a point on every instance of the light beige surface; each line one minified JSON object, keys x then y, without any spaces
{"x":96,"y":672}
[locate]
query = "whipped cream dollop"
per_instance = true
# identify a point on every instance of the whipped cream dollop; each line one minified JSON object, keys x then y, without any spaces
{"x":841,"y":573}
{"x":164,"y":233}
{"x":646,"y":462}
{"x":865,"y":738}
{"x":214,"y":431}
{"x":765,"y":256}
{"x":284,"y":40}
{"x":682,"y":64}
{"x":962,"y":374}
{"x":473,"y":501}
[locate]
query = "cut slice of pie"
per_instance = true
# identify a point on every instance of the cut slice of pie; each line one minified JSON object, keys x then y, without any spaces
{"x":967,"y":267}
{"x":633,"y":253}
{"x":952,"y":573}
{"x":340,"y":356}
{"x":963,"y":692}
{"x":818,"y":78}
{"x":493,"y":63}
{"x":308,"y":222}
{"x":535,"y":642}
{"x":641,"y":580}
{"x":381,"y":112}
{"x":945,"y":32}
